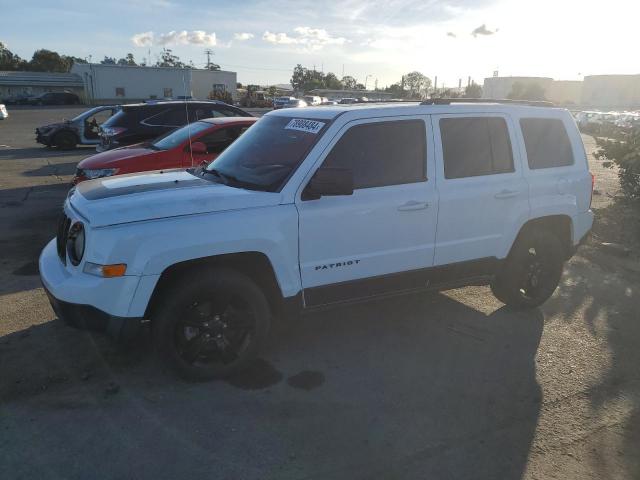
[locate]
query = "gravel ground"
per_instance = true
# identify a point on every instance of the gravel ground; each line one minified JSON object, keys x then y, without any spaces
{"x":450,"y":385}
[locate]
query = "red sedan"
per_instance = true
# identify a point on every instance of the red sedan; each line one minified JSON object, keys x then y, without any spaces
{"x":189,"y":146}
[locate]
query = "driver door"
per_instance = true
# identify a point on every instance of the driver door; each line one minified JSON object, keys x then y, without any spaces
{"x":381,"y":239}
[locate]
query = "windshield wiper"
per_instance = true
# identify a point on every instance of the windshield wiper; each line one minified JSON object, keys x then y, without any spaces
{"x":232,"y":181}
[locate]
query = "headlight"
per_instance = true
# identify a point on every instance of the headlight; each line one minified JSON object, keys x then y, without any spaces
{"x":99,"y":173}
{"x":75,"y":243}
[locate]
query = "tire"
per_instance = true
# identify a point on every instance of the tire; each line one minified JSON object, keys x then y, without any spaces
{"x":65,"y":140}
{"x":532,"y":271}
{"x":212,"y":324}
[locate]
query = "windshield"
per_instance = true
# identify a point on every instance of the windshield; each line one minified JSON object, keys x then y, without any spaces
{"x":265,"y":156}
{"x":88,"y":113}
{"x":179,"y":136}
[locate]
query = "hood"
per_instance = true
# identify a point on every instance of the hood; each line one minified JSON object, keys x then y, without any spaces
{"x":111,"y":158}
{"x":159,"y":194}
{"x":55,"y":125}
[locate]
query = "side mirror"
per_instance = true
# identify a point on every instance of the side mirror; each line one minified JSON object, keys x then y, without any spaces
{"x":329,"y":181}
{"x":198,"y":148}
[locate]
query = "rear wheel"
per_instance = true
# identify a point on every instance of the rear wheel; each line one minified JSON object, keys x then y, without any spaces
{"x":531,"y":272}
{"x":212,"y":325}
{"x":65,"y":140}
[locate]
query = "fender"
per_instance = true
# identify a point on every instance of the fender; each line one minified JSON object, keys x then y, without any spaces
{"x":149,"y":248}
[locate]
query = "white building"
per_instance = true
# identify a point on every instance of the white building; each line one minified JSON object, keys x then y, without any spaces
{"x":125,"y":84}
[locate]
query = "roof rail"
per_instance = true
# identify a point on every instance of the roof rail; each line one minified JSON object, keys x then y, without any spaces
{"x":448,"y":101}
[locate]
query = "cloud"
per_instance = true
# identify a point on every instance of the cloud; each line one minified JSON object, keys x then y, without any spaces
{"x":451,"y":34}
{"x":307,"y":37}
{"x":144,"y":39}
{"x":483,"y":30}
{"x":243,"y":36}
{"x":193,"y":37}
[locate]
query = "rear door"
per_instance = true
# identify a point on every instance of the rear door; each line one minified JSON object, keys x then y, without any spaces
{"x":379,"y":239}
{"x":556,"y":164}
{"x":482,"y":191}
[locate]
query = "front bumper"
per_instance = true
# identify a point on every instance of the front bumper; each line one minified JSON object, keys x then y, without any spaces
{"x":87,"y":317}
{"x":43,"y":138}
{"x":87,"y":301}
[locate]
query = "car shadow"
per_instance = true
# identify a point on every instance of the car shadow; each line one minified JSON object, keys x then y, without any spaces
{"x":420,"y":386}
{"x":55,"y":169}
{"x":600,"y":292}
{"x":44,"y":152}
{"x":28,"y":221}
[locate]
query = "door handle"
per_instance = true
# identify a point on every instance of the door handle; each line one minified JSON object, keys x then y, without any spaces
{"x":413,"y":205}
{"x":507,"y":194}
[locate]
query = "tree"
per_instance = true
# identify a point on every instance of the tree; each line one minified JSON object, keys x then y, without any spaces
{"x":297,"y":79}
{"x":10,"y":61}
{"x":332,"y":82}
{"x":360,"y":86}
{"x":214,"y":67}
{"x":109,"y":61}
{"x":473,"y":90}
{"x":417,"y":84}
{"x":526,"y":91}
{"x":396,"y":90}
{"x":349,"y":82}
{"x":128,"y":60}
{"x":168,"y":59}
{"x":49,"y":61}
{"x":625,"y":153}
{"x":272,"y":91}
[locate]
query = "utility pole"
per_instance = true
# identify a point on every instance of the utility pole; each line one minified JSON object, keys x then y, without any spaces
{"x":208,"y":52}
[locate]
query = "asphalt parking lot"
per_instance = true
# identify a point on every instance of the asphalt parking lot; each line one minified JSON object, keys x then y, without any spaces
{"x":450,"y":385}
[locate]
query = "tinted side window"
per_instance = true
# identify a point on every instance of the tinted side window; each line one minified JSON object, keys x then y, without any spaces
{"x":172,"y":117}
{"x":384,"y":153}
{"x":474,"y":146}
{"x":219,"y":140}
{"x":547,"y":143}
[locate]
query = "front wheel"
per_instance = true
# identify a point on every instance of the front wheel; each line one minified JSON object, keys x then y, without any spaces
{"x":211,"y":325}
{"x":531,"y":272}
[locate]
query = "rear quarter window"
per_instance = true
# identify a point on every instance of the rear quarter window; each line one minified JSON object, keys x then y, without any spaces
{"x":547,"y":143}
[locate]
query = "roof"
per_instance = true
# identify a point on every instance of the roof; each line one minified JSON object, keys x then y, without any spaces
{"x":33,"y":79}
{"x":223,"y":120}
{"x":373,"y":109}
{"x":172,"y":102}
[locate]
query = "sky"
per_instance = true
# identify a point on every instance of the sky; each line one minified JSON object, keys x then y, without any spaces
{"x":369,"y":40}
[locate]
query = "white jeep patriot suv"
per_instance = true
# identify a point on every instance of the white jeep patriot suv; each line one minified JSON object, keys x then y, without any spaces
{"x":322,"y":206}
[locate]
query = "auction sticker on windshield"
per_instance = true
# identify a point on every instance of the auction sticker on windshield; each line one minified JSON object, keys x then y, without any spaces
{"x":302,"y":125}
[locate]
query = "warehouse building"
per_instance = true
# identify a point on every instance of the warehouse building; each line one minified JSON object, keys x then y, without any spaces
{"x":104,"y":84}
{"x":611,"y":91}
{"x":501,"y":87}
{"x":35,"y":83}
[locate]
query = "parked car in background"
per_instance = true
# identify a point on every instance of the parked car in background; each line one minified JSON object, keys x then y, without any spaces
{"x":194,"y":144}
{"x":312,"y":100}
{"x":282,"y":102}
{"x":3,"y":112}
{"x":347,"y":101}
{"x":18,"y":99}
{"x":55,"y":98}
{"x":139,"y":122}
{"x":291,"y":103}
{"x":83,"y":129}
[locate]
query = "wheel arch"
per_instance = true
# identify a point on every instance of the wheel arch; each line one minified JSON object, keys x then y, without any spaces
{"x":256,"y":265}
{"x":560,"y":225}
{"x":65,"y":130}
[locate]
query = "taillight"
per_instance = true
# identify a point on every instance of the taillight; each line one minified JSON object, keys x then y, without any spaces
{"x":593,"y":185}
